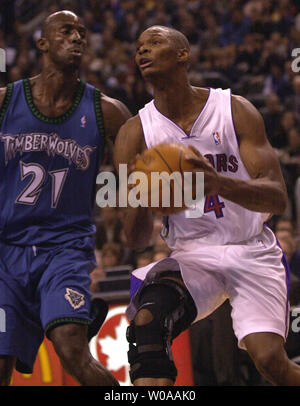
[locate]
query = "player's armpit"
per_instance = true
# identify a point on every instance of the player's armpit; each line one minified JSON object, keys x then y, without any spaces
{"x":265,"y":191}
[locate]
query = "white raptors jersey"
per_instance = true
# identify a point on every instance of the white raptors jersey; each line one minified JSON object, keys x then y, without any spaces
{"x":213,"y":134}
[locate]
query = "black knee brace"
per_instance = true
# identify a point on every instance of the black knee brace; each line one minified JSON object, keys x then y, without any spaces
{"x":170,"y":309}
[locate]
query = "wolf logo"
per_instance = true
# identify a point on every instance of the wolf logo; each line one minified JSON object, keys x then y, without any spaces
{"x":75,"y":298}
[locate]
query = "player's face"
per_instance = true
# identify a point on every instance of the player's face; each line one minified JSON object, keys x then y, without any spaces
{"x":67,"y":42}
{"x":155,"y":53}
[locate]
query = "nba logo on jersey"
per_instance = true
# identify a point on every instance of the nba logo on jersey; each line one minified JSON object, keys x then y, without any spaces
{"x":217,"y":138}
{"x":83,"y":121}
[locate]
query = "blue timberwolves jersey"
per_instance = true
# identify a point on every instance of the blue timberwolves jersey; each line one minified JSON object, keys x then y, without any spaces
{"x":48,"y":167}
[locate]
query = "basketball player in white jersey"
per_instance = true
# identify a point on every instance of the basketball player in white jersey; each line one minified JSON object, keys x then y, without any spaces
{"x":226,"y":253}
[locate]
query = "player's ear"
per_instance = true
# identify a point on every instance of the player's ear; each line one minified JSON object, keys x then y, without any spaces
{"x":42,"y":44}
{"x":183,"y":55}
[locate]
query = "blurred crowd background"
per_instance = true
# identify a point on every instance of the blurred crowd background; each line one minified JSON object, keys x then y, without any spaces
{"x":246,"y":45}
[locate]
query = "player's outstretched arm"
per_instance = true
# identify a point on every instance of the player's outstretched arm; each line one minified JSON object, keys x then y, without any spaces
{"x":138,"y":222}
{"x":265,"y":191}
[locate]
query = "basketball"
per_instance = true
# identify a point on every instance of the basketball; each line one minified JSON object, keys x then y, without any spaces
{"x":164,"y":159}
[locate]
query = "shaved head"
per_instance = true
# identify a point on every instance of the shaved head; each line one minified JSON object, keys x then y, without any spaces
{"x":179,"y":39}
{"x":54,"y":18}
{"x":63,"y":40}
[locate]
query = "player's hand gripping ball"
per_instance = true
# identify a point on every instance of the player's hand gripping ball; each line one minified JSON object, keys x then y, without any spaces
{"x":164,"y":193}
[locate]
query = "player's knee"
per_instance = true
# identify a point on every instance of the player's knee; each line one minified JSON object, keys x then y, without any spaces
{"x":143,"y":317}
{"x":70,"y":344}
{"x":166,"y":309}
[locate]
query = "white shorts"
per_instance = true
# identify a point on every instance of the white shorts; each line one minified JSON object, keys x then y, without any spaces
{"x":252,"y":275}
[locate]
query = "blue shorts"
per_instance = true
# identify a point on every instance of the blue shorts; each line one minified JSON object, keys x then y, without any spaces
{"x":41,"y":287}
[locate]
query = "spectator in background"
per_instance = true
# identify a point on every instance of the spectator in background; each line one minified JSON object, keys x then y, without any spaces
{"x":276,"y":81}
{"x":294,"y":100}
{"x":144,"y":258}
{"x":287,"y":122}
{"x":128,"y":254}
{"x":248,"y":53}
{"x":111,"y":254}
{"x":284,"y":224}
{"x":97,"y":274}
{"x":290,"y":156}
{"x":272,"y":115}
{"x":211,"y":31}
{"x":234,"y":30}
{"x":285,"y":233}
{"x":108,"y":227}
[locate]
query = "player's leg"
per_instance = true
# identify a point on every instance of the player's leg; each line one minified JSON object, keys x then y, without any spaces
{"x":66,"y":311}
{"x":257,"y":282}
{"x":20,"y":330}
{"x":162,"y":307}
{"x":7,"y":364}
{"x":165,"y":310}
{"x":270,"y":358}
{"x":71,"y":345}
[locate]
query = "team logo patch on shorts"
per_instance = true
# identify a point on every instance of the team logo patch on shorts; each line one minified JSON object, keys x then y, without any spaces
{"x":75,"y":299}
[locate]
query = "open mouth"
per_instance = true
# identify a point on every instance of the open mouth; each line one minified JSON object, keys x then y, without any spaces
{"x":144,"y":63}
{"x":76,"y":52}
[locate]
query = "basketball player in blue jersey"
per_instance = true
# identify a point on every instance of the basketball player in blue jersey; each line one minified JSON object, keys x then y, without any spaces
{"x":228,"y":252}
{"x":52,"y":138}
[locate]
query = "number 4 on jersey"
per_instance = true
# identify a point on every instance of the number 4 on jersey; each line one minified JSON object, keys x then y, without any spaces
{"x":212,"y":203}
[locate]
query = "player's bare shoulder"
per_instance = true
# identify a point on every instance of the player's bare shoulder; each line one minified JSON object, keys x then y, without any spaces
{"x":133,"y":126}
{"x":115,"y":114}
{"x":112,"y":106}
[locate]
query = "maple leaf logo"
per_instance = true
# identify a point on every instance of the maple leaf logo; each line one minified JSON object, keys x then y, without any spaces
{"x":113,"y":346}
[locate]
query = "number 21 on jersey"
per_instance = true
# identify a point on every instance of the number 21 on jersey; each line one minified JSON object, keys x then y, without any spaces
{"x":31,"y":192}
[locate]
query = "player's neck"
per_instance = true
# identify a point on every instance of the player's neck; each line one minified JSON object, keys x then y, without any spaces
{"x":54,"y":85}
{"x":174,"y":98}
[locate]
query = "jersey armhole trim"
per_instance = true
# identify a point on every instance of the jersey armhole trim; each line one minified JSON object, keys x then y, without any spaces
{"x":99,"y":115}
{"x":9,"y":91}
